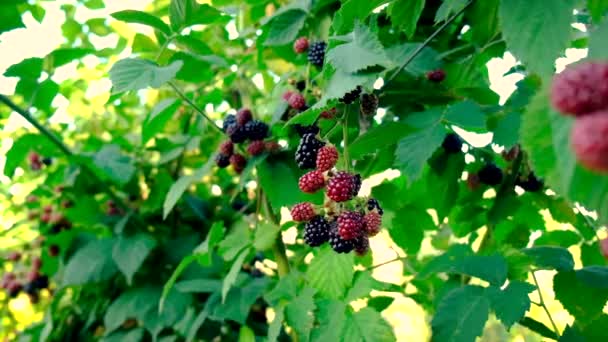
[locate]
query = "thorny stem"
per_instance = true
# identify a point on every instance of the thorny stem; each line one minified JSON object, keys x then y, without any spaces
{"x":278,"y":248}
{"x":194,"y":106}
{"x":427,"y":42}
{"x":542,"y":303}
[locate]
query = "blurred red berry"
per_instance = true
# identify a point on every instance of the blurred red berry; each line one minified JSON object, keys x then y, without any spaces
{"x":303,"y":212}
{"x":436,"y":75}
{"x":296,"y":101}
{"x":300,"y":45}
{"x":589,"y":139}
{"x":581,"y":89}
{"x":243,"y":116}
{"x":53,"y":250}
{"x":312,"y":181}
{"x":256,"y":147}
{"x":238,"y":162}
{"x":227,"y":148}
{"x":14,"y":256}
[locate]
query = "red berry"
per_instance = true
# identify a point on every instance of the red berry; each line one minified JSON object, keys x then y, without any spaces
{"x":473,"y":182}
{"x":589,"y":141}
{"x":604,"y":247}
{"x":296,"y":101}
{"x":312,"y":181}
{"x":14,"y":288}
{"x":227,"y":148}
{"x":256,"y":147}
{"x":32,"y":275}
{"x":341,"y":187}
{"x":45,"y":217}
{"x":53,"y":250}
{"x":34,"y":158}
{"x":350,"y":225}
{"x":300,"y":45}
{"x":7,"y":279}
{"x":32,"y":215}
{"x":37,"y":263}
{"x":581,"y":89}
{"x":373,"y":221}
{"x":287,"y":95}
{"x":56,"y":218}
{"x":302,"y":212}
{"x":243,"y":116}
{"x":272,"y":146}
{"x":327,"y":158}
{"x":35,"y":166}
{"x":48,"y":208}
{"x":31,"y":199}
{"x":328,"y":114}
{"x":435,"y":75}
{"x":14,"y":256}
{"x":238,"y":162}
{"x":59,"y":189}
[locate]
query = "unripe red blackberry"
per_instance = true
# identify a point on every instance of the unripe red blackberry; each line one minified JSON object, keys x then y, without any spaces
{"x":473,"y":181}
{"x":34,"y":158}
{"x":300,"y":45}
{"x":361,"y":245}
{"x":337,"y":243}
{"x":589,"y":139}
{"x":306,"y":153}
{"x":238,"y":162}
{"x":45,"y":217}
{"x":329,"y":114}
{"x":256,"y":147}
{"x":350,"y":225}
{"x":316,"y":231}
{"x":373,"y":223}
{"x":368,"y":104}
{"x":243,"y":116}
{"x":327,"y":158}
{"x":272,"y":147}
{"x":342,"y":186}
{"x":227,"y":148}
{"x":435,"y":75}
{"x":53,"y":250}
{"x":66,"y":204}
{"x":222,"y":160}
{"x":32,"y":275}
{"x":31,"y":199}
{"x":490,"y":174}
{"x":351,"y":96}
{"x":7,"y":279}
{"x":14,"y":256}
{"x":452,"y":143}
{"x":303,"y":212}
{"x":296,"y":101}
{"x":287,"y":95}
{"x":13,"y":289}
{"x":581,"y":89}
{"x":312,"y":181}
{"x":316,"y":53}
{"x":37,"y":263}
{"x":604,"y":247}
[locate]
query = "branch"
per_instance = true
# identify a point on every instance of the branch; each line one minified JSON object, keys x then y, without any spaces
{"x":542,"y":303}
{"x":427,"y":42}
{"x":278,"y":248}
{"x":194,"y":106}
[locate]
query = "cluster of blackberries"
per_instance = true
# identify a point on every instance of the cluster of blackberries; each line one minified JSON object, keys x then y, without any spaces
{"x":345,"y":229}
{"x":582,"y":91}
{"x":49,"y":215}
{"x":316,"y":50}
{"x":36,"y":161}
{"x":239,"y":128}
{"x":31,"y":282}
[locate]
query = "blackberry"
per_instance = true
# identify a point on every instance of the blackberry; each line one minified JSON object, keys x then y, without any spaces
{"x":47,"y":161}
{"x":301,"y":85}
{"x":316,"y":231}
{"x":351,"y":96}
{"x":256,"y":147}
{"x":581,"y":89}
{"x":229,"y":121}
{"x":256,"y":130}
{"x":311,"y":182}
{"x":41,"y":282}
{"x":452,"y":143}
{"x":373,"y":204}
{"x":238,"y":162}
{"x":316,"y":53}
{"x":327,"y":158}
{"x":356,"y":184}
{"x":243,"y":116}
{"x":300,"y":45}
{"x":13,"y":289}
{"x":531,"y":184}
{"x":350,"y":225}
{"x":296,"y":101}
{"x":490,"y":174}
{"x":306,"y":153}
{"x":222,"y":160}
{"x":227,"y":148}
{"x":369,"y":104}
{"x":302,"y":130}
{"x":435,"y":75}
{"x":338,"y":244}
{"x":342,"y":186}
{"x":303,"y":212}
{"x":30,"y":288}
{"x":237,"y":134}
{"x":361,"y":245}
{"x":373,"y":223}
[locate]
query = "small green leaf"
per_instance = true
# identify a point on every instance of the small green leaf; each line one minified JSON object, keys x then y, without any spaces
{"x":185,"y":262}
{"x":461,"y":315}
{"x":90,"y":264}
{"x":405,"y":14}
{"x":331,"y":317}
{"x":265,"y":236}
{"x":351,"y":11}
{"x":234,"y":271}
{"x":299,"y":313}
{"x":581,"y":300}
{"x":377,"y":138}
{"x":511,"y":304}
{"x":246,"y":334}
{"x":367,"y":325}
{"x":550,"y":257}
{"x":196,"y":325}
{"x":284,"y":28}
{"x":365,"y":45}
{"x":598,"y":50}
{"x":330,"y":273}
{"x":215,"y":235}
{"x":155,"y":121}
{"x":138,"y":17}
{"x":448,"y":7}
{"x":28,"y":68}
{"x":10,"y":17}
{"x":274,"y":328}
{"x":280,"y":181}
{"x":466,"y":114}
{"x":116,"y":166}
{"x":63,"y":56}
{"x":506,"y":132}
{"x":135,"y":74}
{"x":181,"y":185}
{"x":426,"y":60}
{"x":129,"y":253}
{"x":594,"y":276}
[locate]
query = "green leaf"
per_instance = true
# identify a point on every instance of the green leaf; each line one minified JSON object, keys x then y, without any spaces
{"x":10,"y":17}
{"x":143,"y":43}
{"x":330,"y":273}
{"x":22,"y":147}
{"x":506,"y":132}
{"x":215,"y":235}
{"x":594,"y":276}
{"x":133,"y":335}
{"x":466,"y":114}
{"x":367,"y":325}
{"x":196,"y":325}
{"x":90,"y":264}
{"x":183,"y":264}
{"x":285,"y":290}
{"x":238,"y":239}
{"x":284,"y":28}
{"x":538,"y":327}
{"x":445,"y":182}
{"x":405,"y":14}
{"x":135,"y":74}
{"x":428,"y":59}
{"x":582,"y":301}
{"x":280,"y":181}
{"x":378,"y":137}
{"x":598,"y":50}
{"x":597,"y":8}
{"x":448,"y":7}
{"x":138,"y":17}
{"x":246,"y":334}
{"x":181,"y":185}
{"x":511,"y":304}
{"x":199,"y":285}
{"x":339,"y":84}
{"x":116,"y":166}
{"x":184,"y":13}
{"x":134,"y":303}
{"x":461,"y":315}
{"x":299,"y":313}
{"x":483,"y":16}
{"x":407,"y":228}
{"x":536,"y":32}
{"x":274,"y":328}
{"x":331,"y":318}
{"x":265,"y":236}
{"x":129,"y":253}
{"x":155,"y":121}
{"x":230,"y":278}
{"x":362,"y":286}
{"x":414,"y":150}
{"x":351,"y":11}
{"x":365,"y":45}
{"x":550,"y":257}
{"x":28,"y":68}
{"x":63,"y":56}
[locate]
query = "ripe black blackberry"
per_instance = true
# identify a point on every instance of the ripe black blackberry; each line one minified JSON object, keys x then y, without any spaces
{"x":302,"y":130}
{"x":531,"y":184}
{"x":236,"y":133}
{"x":222,"y":160}
{"x":490,"y":174}
{"x":316,"y":231}
{"x":356,"y":184}
{"x":47,"y":161}
{"x":301,"y":85}
{"x":369,"y":104}
{"x":256,"y":130}
{"x":351,"y":96}
{"x":316,"y":53}
{"x":452,"y":143}
{"x":41,"y":282}
{"x":338,"y":244}
{"x":306,"y":153}
{"x":30,"y":288}
{"x":373,"y":204}
{"x":229,"y":121}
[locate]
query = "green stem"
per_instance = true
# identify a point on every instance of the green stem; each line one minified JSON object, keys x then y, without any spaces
{"x":345,"y":137}
{"x":542,"y":303}
{"x":194,"y":106}
{"x":427,"y":42}
{"x":278,"y":248}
